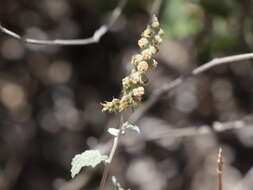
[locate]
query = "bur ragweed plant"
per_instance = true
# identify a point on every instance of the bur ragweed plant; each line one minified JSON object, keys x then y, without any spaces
{"x":132,"y":94}
{"x":133,"y":84}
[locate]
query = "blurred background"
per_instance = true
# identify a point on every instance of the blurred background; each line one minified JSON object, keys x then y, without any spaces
{"x":50,"y":95}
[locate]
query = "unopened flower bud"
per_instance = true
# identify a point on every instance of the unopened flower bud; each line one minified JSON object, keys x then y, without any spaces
{"x":147,"y":54}
{"x":137,"y":59}
{"x":135,"y":77}
{"x":161,"y":32}
{"x":115,"y":101}
{"x":138,"y":91}
{"x":125,"y":102}
{"x":158,"y":40}
{"x":126,"y":82}
{"x":143,"y":42}
{"x":142,"y":66}
{"x":153,"y":50}
{"x":147,"y":33}
{"x":111,"y":106}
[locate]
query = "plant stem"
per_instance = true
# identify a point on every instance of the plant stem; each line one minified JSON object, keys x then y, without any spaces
{"x":220,"y":169}
{"x":111,"y":155}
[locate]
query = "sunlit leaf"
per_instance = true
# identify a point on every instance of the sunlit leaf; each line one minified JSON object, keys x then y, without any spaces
{"x":88,"y":158}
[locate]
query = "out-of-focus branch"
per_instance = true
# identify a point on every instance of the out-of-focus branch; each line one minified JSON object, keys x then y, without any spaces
{"x":102,"y":30}
{"x":167,"y":87}
{"x":220,"y":164}
{"x":217,"y":127}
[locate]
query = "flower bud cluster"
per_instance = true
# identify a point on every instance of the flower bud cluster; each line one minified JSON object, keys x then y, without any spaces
{"x":132,"y":84}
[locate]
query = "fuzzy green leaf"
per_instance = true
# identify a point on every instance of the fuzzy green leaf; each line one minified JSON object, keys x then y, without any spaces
{"x":88,"y":158}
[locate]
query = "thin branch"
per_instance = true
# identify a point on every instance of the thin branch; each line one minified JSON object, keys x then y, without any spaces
{"x":102,"y":30}
{"x":220,"y":164}
{"x":217,"y":127}
{"x":220,"y":61}
{"x":175,"y":83}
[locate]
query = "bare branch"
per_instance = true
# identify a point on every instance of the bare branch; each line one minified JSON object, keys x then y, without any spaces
{"x":217,"y":127}
{"x":220,"y":61}
{"x":94,"y":39}
{"x":167,"y":87}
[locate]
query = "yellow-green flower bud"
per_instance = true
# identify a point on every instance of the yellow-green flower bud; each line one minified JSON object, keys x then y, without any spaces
{"x":147,"y":54}
{"x":125,"y":102}
{"x":137,"y":59}
{"x":147,"y":33}
{"x":138,"y":91}
{"x":157,"y":39}
{"x":111,"y":106}
{"x":161,"y":32}
{"x":126,"y":82}
{"x":143,"y":42}
{"x":153,"y":50}
{"x":135,"y":77}
{"x":142,"y":66}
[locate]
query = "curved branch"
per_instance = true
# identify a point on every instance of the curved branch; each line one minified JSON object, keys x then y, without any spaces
{"x":102,"y":30}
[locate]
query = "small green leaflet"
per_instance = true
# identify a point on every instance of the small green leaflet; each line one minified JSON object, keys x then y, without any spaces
{"x":88,"y":158}
{"x":113,"y":131}
{"x":128,"y":125}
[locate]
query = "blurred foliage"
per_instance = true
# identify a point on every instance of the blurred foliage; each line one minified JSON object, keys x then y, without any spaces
{"x":182,"y":18}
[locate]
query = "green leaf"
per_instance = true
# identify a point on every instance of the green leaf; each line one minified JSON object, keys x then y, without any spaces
{"x":113,"y":131}
{"x":88,"y":158}
{"x":128,"y":125}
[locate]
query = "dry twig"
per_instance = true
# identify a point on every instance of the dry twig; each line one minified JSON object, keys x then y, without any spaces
{"x":102,"y":30}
